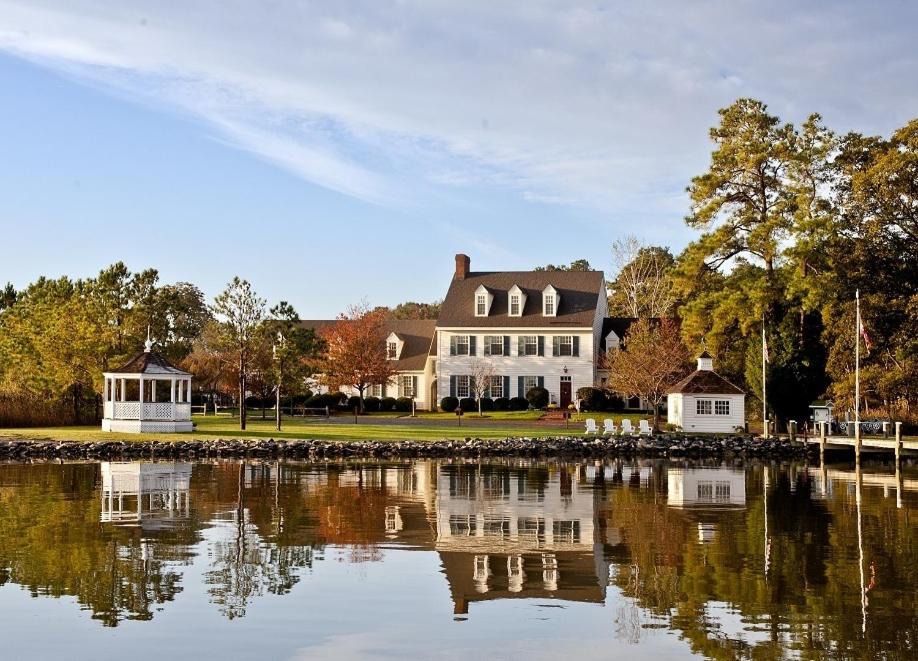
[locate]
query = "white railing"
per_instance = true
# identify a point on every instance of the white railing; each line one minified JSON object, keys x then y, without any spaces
{"x":148,"y":411}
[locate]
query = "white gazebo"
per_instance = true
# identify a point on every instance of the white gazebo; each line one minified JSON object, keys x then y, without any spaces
{"x":147,"y":394}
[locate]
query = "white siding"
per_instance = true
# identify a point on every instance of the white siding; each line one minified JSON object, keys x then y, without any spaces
{"x":580,"y":368}
{"x":683,"y":407}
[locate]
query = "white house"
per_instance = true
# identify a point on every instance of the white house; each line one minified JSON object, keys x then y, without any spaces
{"x":534,"y":328}
{"x":408,"y":346}
{"x":704,"y":401}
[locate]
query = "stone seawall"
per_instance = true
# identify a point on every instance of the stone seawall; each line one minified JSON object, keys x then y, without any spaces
{"x":558,"y":446}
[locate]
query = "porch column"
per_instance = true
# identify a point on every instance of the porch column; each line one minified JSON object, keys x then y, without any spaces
{"x":140,"y":381}
{"x":153,"y":390}
{"x":123,"y":389}
{"x":172,"y":390}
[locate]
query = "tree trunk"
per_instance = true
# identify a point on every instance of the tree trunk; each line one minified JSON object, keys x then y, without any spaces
{"x":277,"y":410}
{"x":241,"y":395}
{"x":656,"y":418}
{"x":360,"y":392}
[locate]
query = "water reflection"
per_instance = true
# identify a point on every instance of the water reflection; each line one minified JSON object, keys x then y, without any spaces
{"x":735,"y":560}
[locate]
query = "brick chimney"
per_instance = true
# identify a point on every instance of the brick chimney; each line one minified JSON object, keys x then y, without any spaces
{"x":462,"y":266}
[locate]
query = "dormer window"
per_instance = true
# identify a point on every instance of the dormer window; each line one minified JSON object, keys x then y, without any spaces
{"x":516,"y":301}
{"x":550,"y":300}
{"x":483,"y":299}
{"x":393,"y":347}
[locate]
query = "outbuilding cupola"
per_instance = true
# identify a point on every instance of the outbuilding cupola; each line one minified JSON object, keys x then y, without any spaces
{"x":705,"y":361}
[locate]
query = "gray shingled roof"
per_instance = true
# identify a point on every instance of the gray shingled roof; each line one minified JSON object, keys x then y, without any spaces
{"x":149,"y":362}
{"x":416,"y":334}
{"x":705,"y":382}
{"x":579,"y":292}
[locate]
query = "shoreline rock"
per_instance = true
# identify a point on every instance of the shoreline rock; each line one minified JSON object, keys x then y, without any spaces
{"x":554,"y":446}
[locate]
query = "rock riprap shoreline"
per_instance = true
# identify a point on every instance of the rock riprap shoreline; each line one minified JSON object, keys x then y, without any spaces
{"x":557,"y":446}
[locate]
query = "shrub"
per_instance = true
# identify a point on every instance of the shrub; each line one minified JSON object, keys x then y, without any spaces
{"x":468,"y":404}
{"x":403,"y":404}
{"x":486,"y":404}
{"x":593,"y":399}
{"x":387,"y":403}
{"x":315,"y":402}
{"x":449,"y":404}
{"x":519,"y":403}
{"x":371,"y":404}
{"x":537,"y":397}
{"x":501,"y":404}
{"x":353,"y":402}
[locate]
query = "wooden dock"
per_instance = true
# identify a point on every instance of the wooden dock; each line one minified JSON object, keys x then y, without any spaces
{"x":895,"y":445}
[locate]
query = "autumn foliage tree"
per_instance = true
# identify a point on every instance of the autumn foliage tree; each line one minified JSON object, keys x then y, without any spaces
{"x":355,"y":353}
{"x":651,"y":361}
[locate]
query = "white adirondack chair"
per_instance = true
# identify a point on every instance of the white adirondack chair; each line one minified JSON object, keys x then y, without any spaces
{"x":644,"y":428}
{"x":627,"y":427}
{"x":591,"y":427}
{"x":608,"y":427}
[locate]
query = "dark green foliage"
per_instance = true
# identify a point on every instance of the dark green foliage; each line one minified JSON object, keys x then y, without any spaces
{"x":519,"y":403}
{"x":371,"y":404}
{"x":353,"y":402}
{"x":387,"y":404}
{"x":593,"y":399}
{"x":403,"y":404}
{"x":449,"y":404}
{"x":468,"y":404}
{"x":501,"y":404}
{"x":486,"y":404}
{"x":537,"y":397}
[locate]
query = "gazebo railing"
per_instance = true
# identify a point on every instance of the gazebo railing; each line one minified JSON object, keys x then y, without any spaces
{"x":148,"y":410}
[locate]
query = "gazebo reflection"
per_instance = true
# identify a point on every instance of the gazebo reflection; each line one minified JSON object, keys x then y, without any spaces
{"x":148,"y":494}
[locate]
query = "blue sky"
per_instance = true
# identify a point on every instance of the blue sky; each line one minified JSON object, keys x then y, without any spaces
{"x":347,"y":151}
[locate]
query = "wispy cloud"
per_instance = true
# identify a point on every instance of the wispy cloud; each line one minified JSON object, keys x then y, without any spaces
{"x":560,"y":102}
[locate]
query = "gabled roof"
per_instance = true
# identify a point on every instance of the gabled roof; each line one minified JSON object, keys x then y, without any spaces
{"x":705,"y":382}
{"x":416,"y":336}
{"x":579,"y":293}
{"x":149,"y":362}
{"x":618,"y":325}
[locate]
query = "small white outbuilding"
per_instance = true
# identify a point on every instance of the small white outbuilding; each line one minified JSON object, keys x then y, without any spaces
{"x":704,"y":401}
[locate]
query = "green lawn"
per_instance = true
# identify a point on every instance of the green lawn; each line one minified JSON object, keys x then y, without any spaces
{"x":425,"y":427}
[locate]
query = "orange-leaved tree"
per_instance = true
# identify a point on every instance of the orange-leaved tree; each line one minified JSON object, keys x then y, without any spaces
{"x":651,"y":361}
{"x":355,"y":353}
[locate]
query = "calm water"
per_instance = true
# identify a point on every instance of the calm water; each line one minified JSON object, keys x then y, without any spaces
{"x":508,"y":559}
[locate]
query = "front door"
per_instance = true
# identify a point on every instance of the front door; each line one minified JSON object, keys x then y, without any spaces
{"x":565,"y":391}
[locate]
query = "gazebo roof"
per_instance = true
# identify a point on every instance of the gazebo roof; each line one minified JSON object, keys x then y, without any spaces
{"x":149,"y":362}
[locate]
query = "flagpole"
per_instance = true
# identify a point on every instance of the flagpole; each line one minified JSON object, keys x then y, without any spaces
{"x":764,"y":397}
{"x":857,"y":360}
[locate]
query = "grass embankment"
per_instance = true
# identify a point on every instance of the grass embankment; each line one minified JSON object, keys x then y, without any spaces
{"x":341,"y":428}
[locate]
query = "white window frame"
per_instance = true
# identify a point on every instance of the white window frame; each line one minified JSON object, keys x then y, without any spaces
{"x":460,"y":340}
{"x":704,"y":407}
{"x":721,"y":407}
{"x":516,"y":301}
{"x":548,"y":305}
{"x":535,"y":345}
{"x":408,"y":386}
{"x":529,"y":382}
{"x":463,"y":386}
{"x":569,"y":345}
{"x":481,"y":305}
{"x":492,"y":341}
{"x":376,"y":390}
{"x":391,"y":350}
{"x":496,"y":388}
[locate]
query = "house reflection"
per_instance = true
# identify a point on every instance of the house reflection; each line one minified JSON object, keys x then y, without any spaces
{"x":151,"y":495}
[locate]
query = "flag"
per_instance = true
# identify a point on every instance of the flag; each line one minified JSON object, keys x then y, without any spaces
{"x":867,"y":343}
